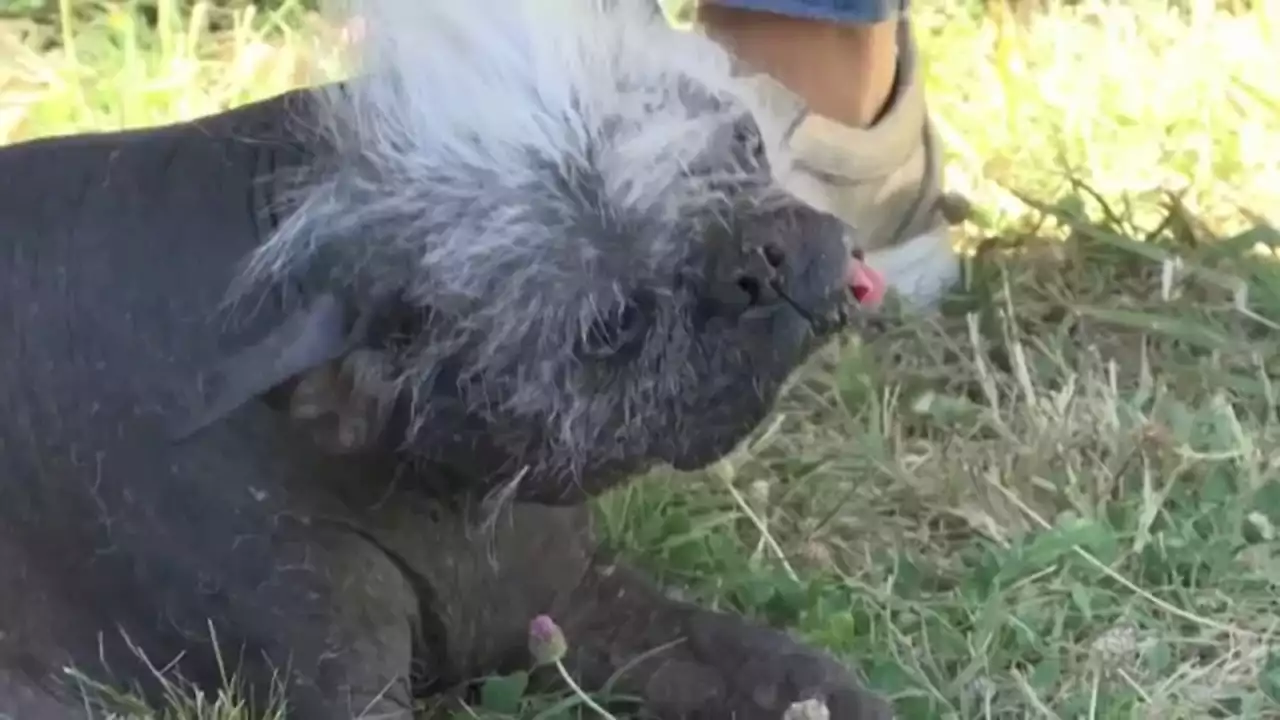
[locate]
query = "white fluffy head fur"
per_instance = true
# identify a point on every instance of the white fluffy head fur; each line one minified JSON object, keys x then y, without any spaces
{"x":526,"y":172}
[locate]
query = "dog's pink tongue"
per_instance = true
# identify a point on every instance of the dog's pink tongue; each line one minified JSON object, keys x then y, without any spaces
{"x":867,"y":285}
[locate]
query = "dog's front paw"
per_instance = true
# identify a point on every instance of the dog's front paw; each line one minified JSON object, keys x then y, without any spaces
{"x":739,"y":672}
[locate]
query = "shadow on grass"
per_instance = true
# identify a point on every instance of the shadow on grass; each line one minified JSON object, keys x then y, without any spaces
{"x":1057,"y":497}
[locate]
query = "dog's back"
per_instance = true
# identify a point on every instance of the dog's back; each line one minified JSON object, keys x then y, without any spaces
{"x":115,"y":252}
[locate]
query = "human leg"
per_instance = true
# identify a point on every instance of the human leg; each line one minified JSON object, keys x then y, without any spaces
{"x":846,"y":75}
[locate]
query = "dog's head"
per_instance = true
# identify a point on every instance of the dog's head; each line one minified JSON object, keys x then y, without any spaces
{"x":560,"y":223}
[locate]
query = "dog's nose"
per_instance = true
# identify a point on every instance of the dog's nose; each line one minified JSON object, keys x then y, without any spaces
{"x":757,"y":283}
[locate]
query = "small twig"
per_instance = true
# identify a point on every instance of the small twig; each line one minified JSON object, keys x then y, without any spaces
{"x":586,"y":699}
{"x":759,"y":523}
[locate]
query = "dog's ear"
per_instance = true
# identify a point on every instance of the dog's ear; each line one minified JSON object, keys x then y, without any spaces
{"x":304,"y":343}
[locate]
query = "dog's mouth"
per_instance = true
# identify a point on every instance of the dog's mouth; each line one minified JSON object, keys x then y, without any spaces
{"x":862,"y":291}
{"x":863,"y":288}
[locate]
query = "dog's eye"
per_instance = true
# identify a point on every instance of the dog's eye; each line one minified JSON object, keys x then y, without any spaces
{"x":616,"y":333}
{"x":747,"y":137}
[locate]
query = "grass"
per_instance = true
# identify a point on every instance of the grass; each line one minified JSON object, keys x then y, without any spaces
{"x":1061,"y":497}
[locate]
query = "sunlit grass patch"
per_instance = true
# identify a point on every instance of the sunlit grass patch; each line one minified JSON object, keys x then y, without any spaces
{"x":117,"y":73}
{"x":1129,"y":96}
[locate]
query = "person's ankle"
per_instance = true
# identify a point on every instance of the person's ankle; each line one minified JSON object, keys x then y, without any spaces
{"x":843,"y":72}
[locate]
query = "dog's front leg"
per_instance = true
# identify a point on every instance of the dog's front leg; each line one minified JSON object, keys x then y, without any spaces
{"x":685,"y":662}
{"x":681,"y":661}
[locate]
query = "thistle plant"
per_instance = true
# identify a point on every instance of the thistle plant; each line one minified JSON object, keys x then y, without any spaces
{"x":548,"y":646}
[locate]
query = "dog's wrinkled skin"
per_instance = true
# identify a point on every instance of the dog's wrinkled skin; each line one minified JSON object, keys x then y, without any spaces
{"x":509,"y":256}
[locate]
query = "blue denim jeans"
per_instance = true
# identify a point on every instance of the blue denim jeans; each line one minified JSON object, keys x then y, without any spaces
{"x":849,"y":11}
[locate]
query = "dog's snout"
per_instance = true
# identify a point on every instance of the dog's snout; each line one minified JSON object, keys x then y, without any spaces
{"x":758,"y":284}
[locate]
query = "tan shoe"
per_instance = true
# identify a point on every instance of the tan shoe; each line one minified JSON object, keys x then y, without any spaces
{"x":885,"y":180}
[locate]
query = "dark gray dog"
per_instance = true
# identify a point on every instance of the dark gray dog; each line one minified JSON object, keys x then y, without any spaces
{"x":533,"y":249}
